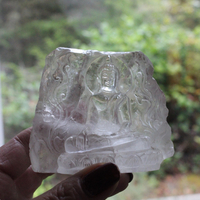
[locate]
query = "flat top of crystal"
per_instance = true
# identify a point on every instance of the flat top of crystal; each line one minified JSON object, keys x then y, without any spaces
{"x":74,"y":50}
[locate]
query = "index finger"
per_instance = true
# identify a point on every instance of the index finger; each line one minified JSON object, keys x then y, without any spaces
{"x":14,"y":156}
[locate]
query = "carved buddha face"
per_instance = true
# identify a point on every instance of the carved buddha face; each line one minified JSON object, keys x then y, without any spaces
{"x":108,"y":78}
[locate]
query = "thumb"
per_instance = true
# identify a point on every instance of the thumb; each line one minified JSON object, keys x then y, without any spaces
{"x":96,"y":182}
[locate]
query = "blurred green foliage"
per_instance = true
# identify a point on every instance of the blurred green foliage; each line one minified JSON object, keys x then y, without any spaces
{"x":46,"y":185}
{"x":168,"y":32}
{"x":20,"y":94}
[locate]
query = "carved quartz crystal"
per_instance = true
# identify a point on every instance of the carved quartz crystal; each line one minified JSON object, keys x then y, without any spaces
{"x":98,"y":107}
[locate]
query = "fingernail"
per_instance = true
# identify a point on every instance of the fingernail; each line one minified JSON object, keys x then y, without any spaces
{"x":100,"y":179}
{"x":130,"y":177}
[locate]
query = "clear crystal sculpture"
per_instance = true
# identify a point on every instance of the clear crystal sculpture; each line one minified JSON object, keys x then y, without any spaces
{"x":98,"y":107}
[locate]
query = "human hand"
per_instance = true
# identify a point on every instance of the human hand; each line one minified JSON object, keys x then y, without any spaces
{"x":18,"y":181}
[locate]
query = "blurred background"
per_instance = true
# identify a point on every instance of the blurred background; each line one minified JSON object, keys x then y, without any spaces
{"x":167,"y":31}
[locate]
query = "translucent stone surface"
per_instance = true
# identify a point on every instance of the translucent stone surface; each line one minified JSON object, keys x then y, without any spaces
{"x":99,"y":107}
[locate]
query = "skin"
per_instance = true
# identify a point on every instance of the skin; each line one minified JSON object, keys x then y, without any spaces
{"x":18,"y":181}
